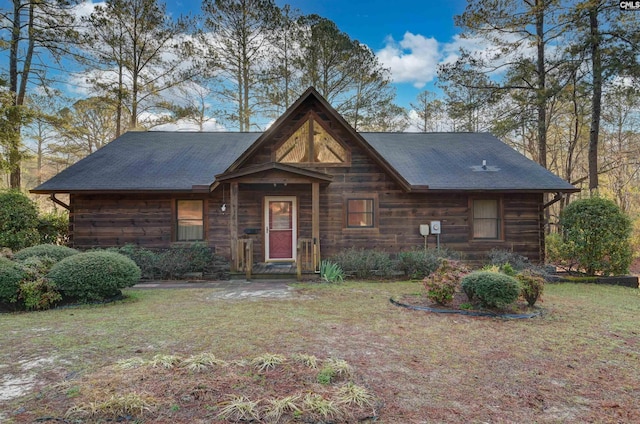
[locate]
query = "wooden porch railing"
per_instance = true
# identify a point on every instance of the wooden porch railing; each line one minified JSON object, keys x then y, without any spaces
{"x":244,"y":258}
{"x":308,"y":256}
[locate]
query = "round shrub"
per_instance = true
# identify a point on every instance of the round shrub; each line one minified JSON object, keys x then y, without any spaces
{"x":491,"y":289}
{"x":53,"y":251}
{"x":532,"y":286}
{"x":596,"y":236}
{"x":94,"y":276}
{"x":11,"y":274}
{"x":18,"y":221}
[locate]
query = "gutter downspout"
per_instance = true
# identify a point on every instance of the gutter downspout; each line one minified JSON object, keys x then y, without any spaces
{"x":57,"y":201}
{"x":559,"y":196}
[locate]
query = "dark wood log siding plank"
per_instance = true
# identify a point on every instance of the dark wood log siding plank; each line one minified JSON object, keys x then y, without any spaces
{"x":143,"y":219}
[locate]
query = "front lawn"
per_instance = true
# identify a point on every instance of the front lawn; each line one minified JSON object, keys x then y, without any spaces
{"x":576,"y":363}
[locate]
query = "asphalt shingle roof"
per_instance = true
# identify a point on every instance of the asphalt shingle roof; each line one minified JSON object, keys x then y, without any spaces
{"x":175,"y":161}
{"x":153,"y":160}
{"x":453,"y":161}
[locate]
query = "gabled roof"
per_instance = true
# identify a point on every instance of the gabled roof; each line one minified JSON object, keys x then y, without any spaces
{"x":190,"y":161}
{"x":153,"y":161}
{"x":454,"y":161}
{"x":312,"y":93}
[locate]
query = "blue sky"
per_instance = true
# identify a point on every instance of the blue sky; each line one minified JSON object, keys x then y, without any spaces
{"x":410,"y":37}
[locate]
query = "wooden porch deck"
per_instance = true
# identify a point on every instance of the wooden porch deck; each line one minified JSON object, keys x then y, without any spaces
{"x":307,"y":265}
{"x":273,"y":271}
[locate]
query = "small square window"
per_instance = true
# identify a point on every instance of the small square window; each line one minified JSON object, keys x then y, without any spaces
{"x":486,"y":219}
{"x":360,"y":213}
{"x":190,"y":220}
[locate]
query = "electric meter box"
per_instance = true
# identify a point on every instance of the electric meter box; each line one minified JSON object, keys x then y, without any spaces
{"x":435,"y":227}
{"x":424,"y":230}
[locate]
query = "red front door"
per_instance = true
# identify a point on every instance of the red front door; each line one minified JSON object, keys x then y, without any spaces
{"x":280,"y":227}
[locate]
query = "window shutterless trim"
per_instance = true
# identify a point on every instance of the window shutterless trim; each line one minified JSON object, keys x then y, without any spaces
{"x":177,"y":220}
{"x":499,"y":219}
{"x":373,"y":198}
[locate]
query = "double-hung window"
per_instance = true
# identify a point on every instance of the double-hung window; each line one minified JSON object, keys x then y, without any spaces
{"x":190,"y":220}
{"x":486,"y":219}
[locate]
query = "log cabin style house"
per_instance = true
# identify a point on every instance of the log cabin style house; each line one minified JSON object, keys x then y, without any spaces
{"x":307,"y":188}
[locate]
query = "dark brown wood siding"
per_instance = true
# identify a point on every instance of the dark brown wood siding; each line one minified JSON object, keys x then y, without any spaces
{"x":100,"y":220}
{"x":105,"y":220}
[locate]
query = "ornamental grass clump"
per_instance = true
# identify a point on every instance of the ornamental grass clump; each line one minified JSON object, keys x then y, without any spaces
{"x":331,"y":272}
{"x":444,"y":282}
{"x":491,"y":289}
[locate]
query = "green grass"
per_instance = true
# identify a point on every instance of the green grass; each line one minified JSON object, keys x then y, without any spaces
{"x":576,"y":363}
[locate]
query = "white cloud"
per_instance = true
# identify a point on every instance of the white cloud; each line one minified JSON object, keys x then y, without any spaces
{"x":210,"y":125}
{"x":414,"y":59}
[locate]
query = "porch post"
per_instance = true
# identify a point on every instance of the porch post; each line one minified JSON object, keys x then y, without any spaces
{"x":315,"y":222}
{"x":233,"y":224}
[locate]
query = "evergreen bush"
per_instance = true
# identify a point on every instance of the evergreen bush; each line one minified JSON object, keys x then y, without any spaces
{"x":419,"y":263}
{"x":491,"y":289}
{"x":596,"y":235}
{"x":147,"y":260}
{"x":54,"y":228}
{"x":18,"y":221}
{"x":364,"y":263}
{"x":506,"y":257}
{"x":95,"y":275}
{"x":11,"y":274}
{"x":53,"y":251}
{"x":180,"y":260}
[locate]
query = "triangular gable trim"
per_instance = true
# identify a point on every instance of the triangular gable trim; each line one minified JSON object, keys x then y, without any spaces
{"x":255,"y":169}
{"x":334,"y":114}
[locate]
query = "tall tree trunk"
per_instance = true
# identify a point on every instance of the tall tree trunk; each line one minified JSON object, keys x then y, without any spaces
{"x":120,"y":95}
{"x":18,"y":87}
{"x":596,"y":103}
{"x":541,"y":92}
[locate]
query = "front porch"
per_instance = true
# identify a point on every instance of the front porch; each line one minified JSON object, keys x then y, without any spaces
{"x":274,"y":220}
{"x":306,"y":266}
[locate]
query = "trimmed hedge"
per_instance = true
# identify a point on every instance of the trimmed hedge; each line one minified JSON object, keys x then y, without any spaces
{"x":491,"y":289}
{"x":11,"y":274}
{"x":53,"y":251}
{"x":94,"y":276}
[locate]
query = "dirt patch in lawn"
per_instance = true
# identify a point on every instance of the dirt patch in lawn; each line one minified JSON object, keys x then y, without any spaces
{"x":168,"y":389}
{"x":577,"y":363}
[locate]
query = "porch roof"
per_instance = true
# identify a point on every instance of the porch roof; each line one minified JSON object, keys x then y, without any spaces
{"x":297,"y":173}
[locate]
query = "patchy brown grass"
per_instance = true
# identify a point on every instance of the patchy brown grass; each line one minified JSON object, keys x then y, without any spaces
{"x":576,"y":363}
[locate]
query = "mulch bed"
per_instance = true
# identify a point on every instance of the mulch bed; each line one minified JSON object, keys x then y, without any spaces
{"x":461,"y":305}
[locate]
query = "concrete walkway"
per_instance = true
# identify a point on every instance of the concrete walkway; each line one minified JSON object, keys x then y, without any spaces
{"x":239,"y":289}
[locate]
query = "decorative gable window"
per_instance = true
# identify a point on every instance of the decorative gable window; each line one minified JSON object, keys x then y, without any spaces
{"x":312,"y":143}
{"x":486,"y":219}
{"x":190,"y":220}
